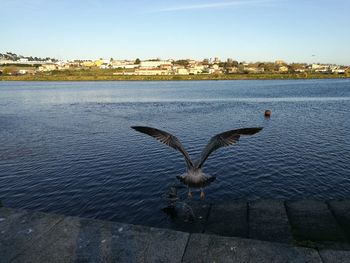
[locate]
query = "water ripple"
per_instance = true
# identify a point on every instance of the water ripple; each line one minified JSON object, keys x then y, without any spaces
{"x":68,"y":147}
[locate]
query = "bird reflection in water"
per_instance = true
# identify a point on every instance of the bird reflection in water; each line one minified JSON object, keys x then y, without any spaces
{"x":177,"y":208}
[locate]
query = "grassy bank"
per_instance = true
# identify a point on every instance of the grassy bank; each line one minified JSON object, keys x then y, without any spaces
{"x":107,"y":75}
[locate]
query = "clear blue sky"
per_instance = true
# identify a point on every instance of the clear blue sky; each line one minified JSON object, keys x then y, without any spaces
{"x":245,"y":30}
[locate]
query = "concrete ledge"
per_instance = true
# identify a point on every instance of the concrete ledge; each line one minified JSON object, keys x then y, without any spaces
{"x":335,"y":256}
{"x":39,"y":237}
{"x":210,"y":248}
{"x":268,"y":221}
{"x":20,"y":229}
{"x":190,"y":218}
{"x":312,"y":220}
{"x":27,"y":236}
{"x":341,"y":211}
{"x":228,"y":219}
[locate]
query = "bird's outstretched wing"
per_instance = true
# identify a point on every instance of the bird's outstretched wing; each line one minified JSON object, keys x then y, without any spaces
{"x":222,"y":140}
{"x":167,"y":139}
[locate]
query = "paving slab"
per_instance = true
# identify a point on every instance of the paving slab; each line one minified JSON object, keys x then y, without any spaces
{"x":85,"y":240}
{"x":335,"y":256}
{"x":189,"y":217}
{"x":268,"y":221}
{"x":58,"y":245}
{"x":312,"y":220}
{"x":19,"y":229}
{"x":228,"y":219}
{"x":341,"y":211}
{"x":211,"y":248}
{"x":140,"y":244}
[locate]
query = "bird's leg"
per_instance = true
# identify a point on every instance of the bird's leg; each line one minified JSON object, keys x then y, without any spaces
{"x":189,"y":193}
{"x":202,"y":194}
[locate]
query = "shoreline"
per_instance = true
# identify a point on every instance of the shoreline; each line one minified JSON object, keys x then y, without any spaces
{"x":94,"y":77}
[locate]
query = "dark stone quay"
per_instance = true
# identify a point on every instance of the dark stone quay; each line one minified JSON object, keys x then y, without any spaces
{"x":237,"y":231}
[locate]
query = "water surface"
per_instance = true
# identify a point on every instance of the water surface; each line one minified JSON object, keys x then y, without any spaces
{"x":67,"y":147}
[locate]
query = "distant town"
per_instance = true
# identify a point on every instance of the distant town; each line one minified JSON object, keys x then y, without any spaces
{"x":13,"y":65}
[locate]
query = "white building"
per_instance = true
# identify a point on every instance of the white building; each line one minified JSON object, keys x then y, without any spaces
{"x":283,"y":69}
{"x":182,"y":71}
{"x":48,"y":67}
{"x":152,"y":71}
{"x":153,"y":64}
{"x":338,"y":70}
{"x":104,"y":66}
{"x":22,"y":71}
{"x":196,"y":70}
{"x":123,"y":64}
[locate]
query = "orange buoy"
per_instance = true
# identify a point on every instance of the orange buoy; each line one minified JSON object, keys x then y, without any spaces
{"x":267,"y":113}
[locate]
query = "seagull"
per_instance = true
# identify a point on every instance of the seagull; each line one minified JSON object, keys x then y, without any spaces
{"x":194,"y":177}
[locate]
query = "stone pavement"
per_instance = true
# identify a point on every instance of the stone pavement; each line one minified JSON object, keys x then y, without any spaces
{"x":307,"y":222}
{"x":301,"y":231}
